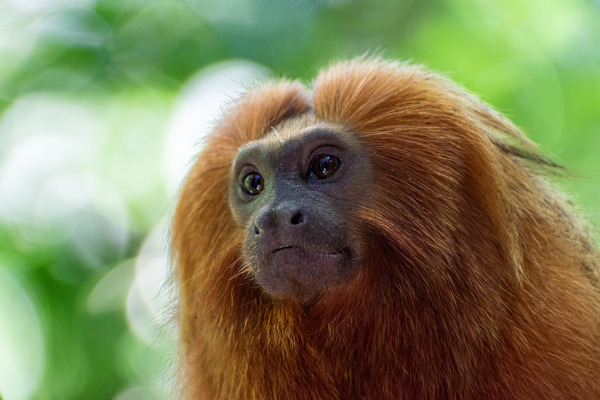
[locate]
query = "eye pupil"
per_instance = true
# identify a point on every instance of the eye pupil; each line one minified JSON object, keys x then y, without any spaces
{"x":324,"y":166}
{"x":253,"y":184}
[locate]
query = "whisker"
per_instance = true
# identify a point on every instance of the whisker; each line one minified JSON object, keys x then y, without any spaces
{"x":277,"y":134}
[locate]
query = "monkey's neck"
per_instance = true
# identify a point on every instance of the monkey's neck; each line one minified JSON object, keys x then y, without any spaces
{"x":279,"y":347}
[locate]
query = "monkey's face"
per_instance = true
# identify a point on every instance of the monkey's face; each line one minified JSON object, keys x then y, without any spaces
{"x":295,"y":192}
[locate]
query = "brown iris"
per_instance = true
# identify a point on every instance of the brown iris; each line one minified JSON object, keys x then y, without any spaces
{"x":253,"y":184}
{"x":323,"y":166}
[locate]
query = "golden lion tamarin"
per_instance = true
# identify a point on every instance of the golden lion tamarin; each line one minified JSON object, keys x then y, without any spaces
{"x":383,"y":235}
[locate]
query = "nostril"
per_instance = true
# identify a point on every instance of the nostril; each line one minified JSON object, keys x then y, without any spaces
{"x":256,"y":231}
{"x":297,"y":218}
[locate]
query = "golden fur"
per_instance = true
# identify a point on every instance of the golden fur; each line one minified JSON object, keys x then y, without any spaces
{"x":477,"y":282}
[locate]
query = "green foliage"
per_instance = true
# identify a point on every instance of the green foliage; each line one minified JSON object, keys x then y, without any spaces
{"x":89,"y":99}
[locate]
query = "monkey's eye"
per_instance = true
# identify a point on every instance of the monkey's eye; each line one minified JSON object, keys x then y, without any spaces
{"x":253,"y":184}
{"x":323,"y":166}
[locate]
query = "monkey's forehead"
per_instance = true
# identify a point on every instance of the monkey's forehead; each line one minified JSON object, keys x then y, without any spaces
{"x":295,"y":124}
{"x":301,"y":128}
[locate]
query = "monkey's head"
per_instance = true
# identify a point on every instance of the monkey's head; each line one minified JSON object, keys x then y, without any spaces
{"x":294,"y":192}
{"x":380,"y":165}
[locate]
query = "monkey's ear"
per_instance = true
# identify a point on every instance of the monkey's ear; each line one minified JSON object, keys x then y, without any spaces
{"x":489,"y":186}
{"x":494,"y":172}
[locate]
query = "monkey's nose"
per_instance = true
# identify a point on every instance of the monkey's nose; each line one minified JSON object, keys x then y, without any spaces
{"x":279,"y":218}
{"x":288,"y":216}
{"x":297,"y":218}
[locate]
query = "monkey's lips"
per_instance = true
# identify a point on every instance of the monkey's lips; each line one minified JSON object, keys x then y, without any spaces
{"x":283,"y":248}
{"x":301,"y":273}
{"x":298,"y":257}
{"x":315,"y":253}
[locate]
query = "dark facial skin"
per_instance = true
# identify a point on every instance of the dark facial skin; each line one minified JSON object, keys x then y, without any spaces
{"x":295,"y":192}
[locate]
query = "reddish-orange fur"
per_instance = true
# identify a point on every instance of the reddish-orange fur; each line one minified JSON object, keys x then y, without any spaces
{"x":477,"y":282}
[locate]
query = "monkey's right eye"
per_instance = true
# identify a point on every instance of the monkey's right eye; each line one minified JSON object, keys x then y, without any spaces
{"x":253,"y":184}
{"x":323,"y":166}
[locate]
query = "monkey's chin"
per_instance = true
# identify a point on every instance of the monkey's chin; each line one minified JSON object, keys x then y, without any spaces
{"x":294,"y":273}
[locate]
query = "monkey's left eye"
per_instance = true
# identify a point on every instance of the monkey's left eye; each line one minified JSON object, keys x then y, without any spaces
{"x":253,"y":184}
{"x":323,"y":166}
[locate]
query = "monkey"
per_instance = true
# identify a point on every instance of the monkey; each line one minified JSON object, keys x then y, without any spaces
{"x":381,"y":234}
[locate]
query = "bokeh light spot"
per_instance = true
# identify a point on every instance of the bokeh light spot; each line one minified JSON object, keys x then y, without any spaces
{"x":198,"y":106}
{"x":21,"y":340}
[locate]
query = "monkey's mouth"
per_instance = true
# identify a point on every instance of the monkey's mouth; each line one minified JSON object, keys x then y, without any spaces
{"x":284,"y":248}
{"x":331,"y":253}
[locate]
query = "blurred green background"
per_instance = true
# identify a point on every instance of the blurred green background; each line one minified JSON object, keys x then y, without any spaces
{"x":102,"y":103}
